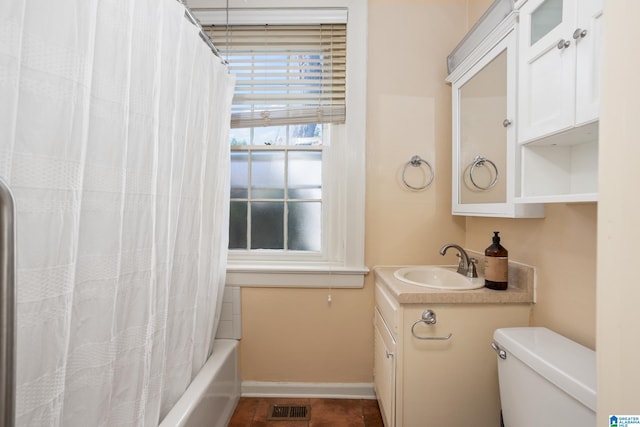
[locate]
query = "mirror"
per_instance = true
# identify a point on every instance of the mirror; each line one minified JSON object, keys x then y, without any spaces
{"x":483,"y":135}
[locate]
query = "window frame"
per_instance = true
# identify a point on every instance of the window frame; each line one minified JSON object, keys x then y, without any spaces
{"x":342,"y":264}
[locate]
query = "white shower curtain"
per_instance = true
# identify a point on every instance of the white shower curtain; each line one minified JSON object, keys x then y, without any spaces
{"x":113,"y":136}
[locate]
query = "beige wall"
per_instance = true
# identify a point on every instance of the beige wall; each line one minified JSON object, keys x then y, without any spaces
{"x":562,"y":247}
{"x":618,"y":293}
{"x":294,"y":334}
{"x":475,"y":9}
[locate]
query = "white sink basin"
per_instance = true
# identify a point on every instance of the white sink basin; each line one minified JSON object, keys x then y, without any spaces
{"x":438,"y":277}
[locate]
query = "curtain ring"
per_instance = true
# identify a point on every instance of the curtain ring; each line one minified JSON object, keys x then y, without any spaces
{"x":480,"y":161}
{"x":416,"y":161}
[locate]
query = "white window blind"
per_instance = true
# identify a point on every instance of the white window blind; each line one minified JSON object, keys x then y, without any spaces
{"x":285,"y":74}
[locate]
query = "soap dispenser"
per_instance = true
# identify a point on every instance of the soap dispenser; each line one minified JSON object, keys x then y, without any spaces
{"x":496,"y":265}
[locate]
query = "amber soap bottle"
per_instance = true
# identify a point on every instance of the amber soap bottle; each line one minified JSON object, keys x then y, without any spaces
{"x":496,"y":265}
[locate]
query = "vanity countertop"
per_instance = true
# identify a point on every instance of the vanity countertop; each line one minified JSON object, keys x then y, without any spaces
{"x":521,"y":289}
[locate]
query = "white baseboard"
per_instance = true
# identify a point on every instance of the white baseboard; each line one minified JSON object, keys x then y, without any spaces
{"x":308,"y":390}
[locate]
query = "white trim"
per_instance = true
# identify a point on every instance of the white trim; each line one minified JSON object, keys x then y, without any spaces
{"x":279,"y":16}
{"x":298,"y":277}
{"x":355,"y":150}
{"x":308,"y":390}
{"x":274,"y":4}
{"x":518,"y":4}
{"x":559,"y":198}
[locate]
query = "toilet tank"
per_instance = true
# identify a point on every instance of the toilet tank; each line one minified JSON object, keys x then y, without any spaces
{"x":545,"y":379}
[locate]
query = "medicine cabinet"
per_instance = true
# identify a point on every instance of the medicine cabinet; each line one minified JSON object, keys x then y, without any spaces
{"x":486,"y":173}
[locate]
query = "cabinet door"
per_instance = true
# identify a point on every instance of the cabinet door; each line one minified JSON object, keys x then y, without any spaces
{"x":485,"y":160}
{"x":385,"y":370}
{"x":483,"y":134}
{"x":588,"y":39}
{"x":547,"y":65}
{"x":454,"y":382}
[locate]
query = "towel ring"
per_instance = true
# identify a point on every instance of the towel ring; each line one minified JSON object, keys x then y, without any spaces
{"x":429,"y":318}
{"x":478,"y":162}
{"x":417,"y":161}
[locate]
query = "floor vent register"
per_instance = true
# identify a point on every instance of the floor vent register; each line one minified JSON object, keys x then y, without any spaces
{"x":288,"y":412}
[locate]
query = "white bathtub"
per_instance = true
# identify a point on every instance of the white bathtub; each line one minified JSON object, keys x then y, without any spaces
{"x":212,"y":396}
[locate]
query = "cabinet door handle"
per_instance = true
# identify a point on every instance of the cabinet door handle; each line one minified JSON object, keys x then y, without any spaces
{"x":579,"y":33}
{"x":563,"y":44}
{"x":388,"y":354}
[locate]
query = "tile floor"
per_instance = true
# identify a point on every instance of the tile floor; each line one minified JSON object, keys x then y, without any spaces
{"x":252,"y":412}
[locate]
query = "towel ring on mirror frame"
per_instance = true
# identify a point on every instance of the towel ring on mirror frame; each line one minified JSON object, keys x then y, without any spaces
{"x":480,"y":161}
{"x":417,"y":161}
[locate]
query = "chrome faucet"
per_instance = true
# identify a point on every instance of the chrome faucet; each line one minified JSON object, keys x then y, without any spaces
{"x":466,"y":266}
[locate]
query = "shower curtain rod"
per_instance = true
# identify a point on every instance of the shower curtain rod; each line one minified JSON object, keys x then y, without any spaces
{"x":205,"y":38}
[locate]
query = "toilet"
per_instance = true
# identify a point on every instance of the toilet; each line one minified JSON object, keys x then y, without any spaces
{"x":545,"y":379}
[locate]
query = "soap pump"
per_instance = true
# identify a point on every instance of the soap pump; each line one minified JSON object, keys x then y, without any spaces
{"x":496,"y":265}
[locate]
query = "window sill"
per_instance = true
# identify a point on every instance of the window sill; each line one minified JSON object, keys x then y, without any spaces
{"x":295,"y":276}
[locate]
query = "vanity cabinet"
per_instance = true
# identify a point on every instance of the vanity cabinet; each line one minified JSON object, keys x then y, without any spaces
{"x":384,"y":355}
{"x":558,"y":99}
{"x":486,"y":173}
{"x":452,"y":382}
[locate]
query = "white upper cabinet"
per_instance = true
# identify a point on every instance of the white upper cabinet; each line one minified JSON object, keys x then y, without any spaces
{"x":559,"y":58}
{"x":486,"y":173}
{"x":589,"y":59}
{"x":559,"y":50}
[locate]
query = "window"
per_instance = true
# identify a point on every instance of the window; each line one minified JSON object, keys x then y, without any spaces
{"x":276,"y":189}
{"x":297,"y":141}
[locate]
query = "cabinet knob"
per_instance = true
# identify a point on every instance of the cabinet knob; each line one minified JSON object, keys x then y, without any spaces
{"x":579,"y":33}
{"x":506,"y":123}
{"x":563,"y":44}
{"x":388,"y":354}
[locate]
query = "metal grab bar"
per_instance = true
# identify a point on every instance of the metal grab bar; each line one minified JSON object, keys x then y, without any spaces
{"x":7,"y":307}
